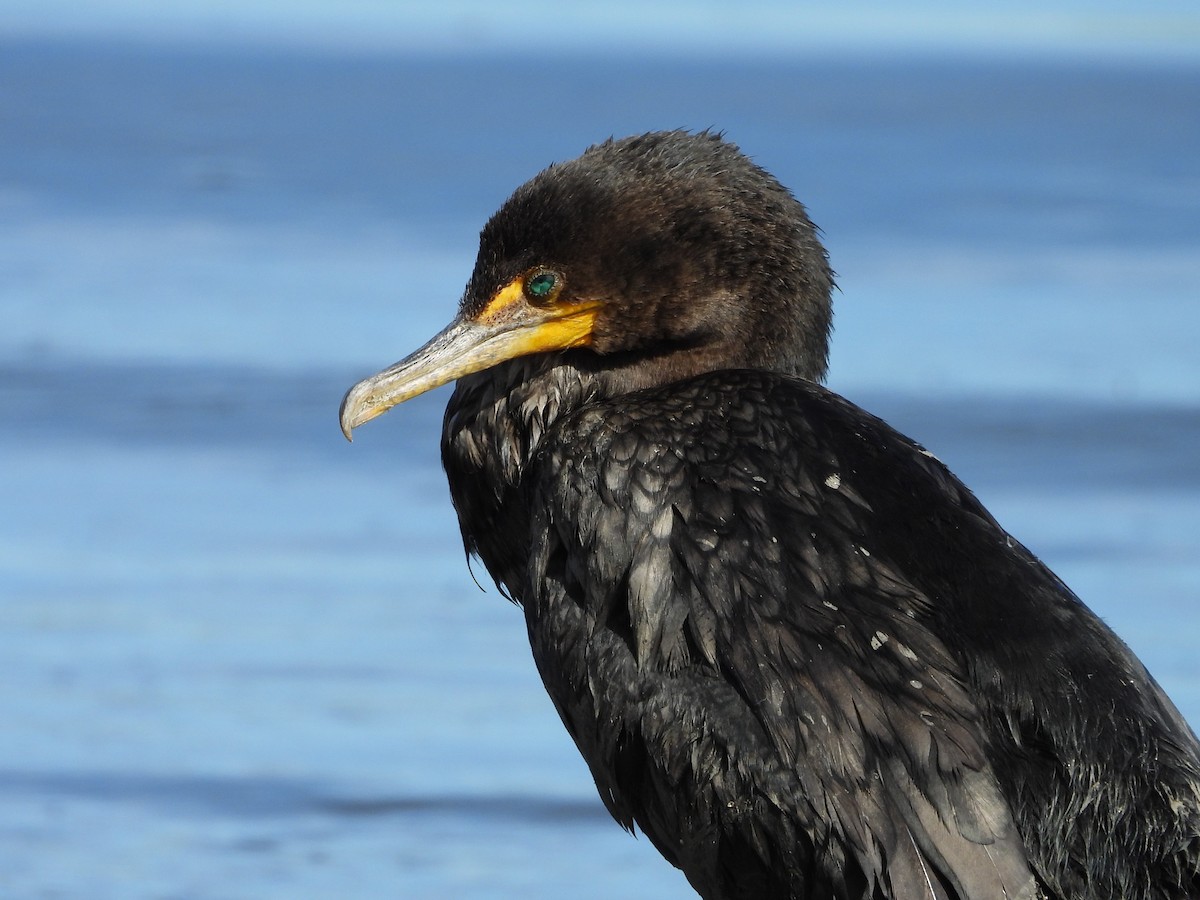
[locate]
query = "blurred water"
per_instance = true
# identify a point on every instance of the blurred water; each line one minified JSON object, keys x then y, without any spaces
{"x":244,"y":659}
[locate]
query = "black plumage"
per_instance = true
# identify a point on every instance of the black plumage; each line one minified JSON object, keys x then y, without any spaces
{"x":794,"y":650}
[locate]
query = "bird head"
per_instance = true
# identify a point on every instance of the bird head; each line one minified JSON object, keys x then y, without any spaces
{"x":649,"y":259}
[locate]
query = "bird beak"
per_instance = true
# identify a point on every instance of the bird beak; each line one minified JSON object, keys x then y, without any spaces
{"x":506,"y":328}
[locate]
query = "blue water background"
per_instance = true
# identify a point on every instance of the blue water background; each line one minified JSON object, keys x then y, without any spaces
{"x":243,"y":659}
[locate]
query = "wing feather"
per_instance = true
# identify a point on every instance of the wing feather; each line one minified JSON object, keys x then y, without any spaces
{"x":754,"y":672}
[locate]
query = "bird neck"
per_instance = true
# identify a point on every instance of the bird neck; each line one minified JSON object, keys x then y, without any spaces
{"x":497,"y":419}
{"x":493,"y":426}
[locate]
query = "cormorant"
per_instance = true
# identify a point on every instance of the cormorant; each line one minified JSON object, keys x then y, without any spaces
{"x":793,"y":648}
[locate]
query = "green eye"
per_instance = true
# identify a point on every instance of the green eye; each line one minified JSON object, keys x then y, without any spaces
{"x":541,"y":286}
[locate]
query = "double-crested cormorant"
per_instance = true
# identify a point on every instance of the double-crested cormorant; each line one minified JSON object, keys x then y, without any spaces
{"x":793,"y":648}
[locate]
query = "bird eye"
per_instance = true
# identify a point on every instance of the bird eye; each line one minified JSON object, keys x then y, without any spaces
{"x":542,"y":286}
